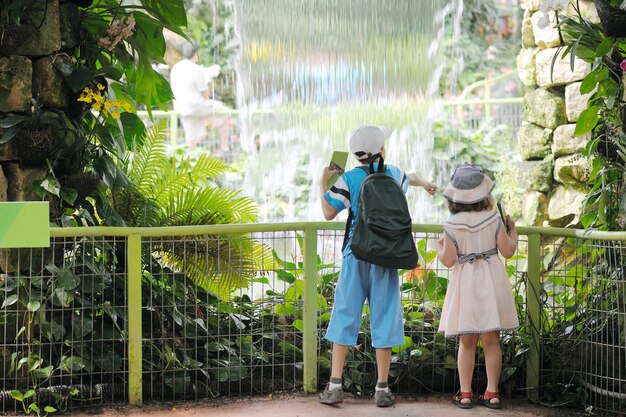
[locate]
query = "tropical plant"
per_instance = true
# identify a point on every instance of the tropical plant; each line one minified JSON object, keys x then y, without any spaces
{"x":164,"y":191}
{"x":488,"y":146}
{"x":604,"y":115}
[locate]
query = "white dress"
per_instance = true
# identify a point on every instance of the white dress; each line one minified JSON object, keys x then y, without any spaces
{"x":479,"y":298}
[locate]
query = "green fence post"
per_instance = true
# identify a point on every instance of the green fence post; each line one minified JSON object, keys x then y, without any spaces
{"x":134,"y":320}
{"x":309,"y":319}
{"x":533,"y":315}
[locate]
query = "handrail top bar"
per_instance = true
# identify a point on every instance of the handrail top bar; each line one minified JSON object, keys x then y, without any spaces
{"x":487,"y":81}
{"x":297,"y":226}
{"x":217,"y":113}
{"x":466,"y":102}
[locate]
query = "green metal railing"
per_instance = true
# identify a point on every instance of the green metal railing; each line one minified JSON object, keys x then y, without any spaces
{"x":310,"y":250}
{"x":541,"y":303}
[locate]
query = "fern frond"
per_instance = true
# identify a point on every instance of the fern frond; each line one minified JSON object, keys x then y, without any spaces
{"x":145,"y":163}
{"x":216,"y":263}
{"x":207,"y":206}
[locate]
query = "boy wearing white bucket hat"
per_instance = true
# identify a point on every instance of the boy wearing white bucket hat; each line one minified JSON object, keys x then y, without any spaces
{"x":360,"y":280}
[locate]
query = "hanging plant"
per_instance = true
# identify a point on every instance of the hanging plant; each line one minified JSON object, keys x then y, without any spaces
{"x":35,"y":135}
{"x":17,"y":25}
{"x":12,"y":36}
{"x":35,"y":144}
{"x":84,"y":183}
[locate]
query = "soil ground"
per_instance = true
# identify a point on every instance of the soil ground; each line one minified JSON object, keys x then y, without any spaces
{"x":301,"y":405}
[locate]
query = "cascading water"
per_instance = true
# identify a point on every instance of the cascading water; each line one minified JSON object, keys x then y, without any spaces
{"x":310,"y":71}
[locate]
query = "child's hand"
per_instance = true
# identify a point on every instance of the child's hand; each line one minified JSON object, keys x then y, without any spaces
{"x":510,"y":224}
{"x":431,"y":188}
{"x":326,"y":174}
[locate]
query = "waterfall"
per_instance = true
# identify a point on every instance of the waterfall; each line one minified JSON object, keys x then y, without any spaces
{"x":310,"y":71}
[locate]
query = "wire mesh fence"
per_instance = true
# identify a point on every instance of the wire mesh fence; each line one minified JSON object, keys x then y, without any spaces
{"x":63,"y":320}
{"x":583,"y":324}
{"x":474,"y":114}
{"x":227,"y":313}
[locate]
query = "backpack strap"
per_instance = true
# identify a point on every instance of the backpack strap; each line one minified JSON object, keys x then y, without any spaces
{"x":381,"y":166}
{"x":381,"y":169}
{"x":347,"y":232}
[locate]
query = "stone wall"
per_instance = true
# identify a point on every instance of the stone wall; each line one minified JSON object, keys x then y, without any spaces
{"x":553,"y":171}
{"x":26,"y":73}
{"x":28,"y":78}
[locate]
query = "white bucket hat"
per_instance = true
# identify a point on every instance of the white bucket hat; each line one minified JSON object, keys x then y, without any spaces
{"x":468,"y":185}
{"x":367,"y":140}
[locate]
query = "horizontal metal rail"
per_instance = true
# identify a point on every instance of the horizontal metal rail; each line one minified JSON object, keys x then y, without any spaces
{"x":293,"y":226}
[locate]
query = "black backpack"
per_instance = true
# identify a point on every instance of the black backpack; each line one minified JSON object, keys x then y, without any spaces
{"x":382,"y":231}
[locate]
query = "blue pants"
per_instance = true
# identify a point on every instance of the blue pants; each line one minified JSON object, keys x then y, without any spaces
{"x":359,"y":280}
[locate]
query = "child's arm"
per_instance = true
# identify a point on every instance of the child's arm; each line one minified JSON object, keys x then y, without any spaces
{"x":446,"y":251}
{"x":329,"y":211}
{"x":507,"y":243}
{"x":417,"y":181}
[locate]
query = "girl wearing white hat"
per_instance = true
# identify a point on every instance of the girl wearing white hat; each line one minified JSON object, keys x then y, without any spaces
{"x":479,"y":302}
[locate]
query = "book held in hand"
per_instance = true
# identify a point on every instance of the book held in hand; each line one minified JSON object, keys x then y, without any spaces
{"x":337,"y":164}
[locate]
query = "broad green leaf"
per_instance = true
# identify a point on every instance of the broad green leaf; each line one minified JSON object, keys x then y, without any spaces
{"x":54,"y":332}
{"x":69,"y":195}
{"x":133,"y":128}
{"x":587,"y":120}
{"x":43,"y":373}
{"x":33,"y":305}
{"x":81,"y":327}
{"x":298,"y":324}
{"x":67,"y":280}
{"x":11,"y":120}
{"x":61,"y":297}
{"x":171,"y":12}
{"x":589,"y":82}
{"x":10,"y":300}
{"x":109,"y":71}
{"x":605,"y":47}
{"x":148,"y":39}
{"x":79,"y":79}
{"x":51,"y":185}
{"x":72,"y":364}
{"x":92,"y":284}
{"x":17,"y":395}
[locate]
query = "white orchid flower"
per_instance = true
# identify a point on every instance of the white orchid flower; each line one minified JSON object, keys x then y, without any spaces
{"x":556,"y":5}
{"x":550,"y":5}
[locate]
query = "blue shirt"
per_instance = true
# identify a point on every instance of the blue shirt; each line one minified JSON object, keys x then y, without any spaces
{"x":346,"y":190}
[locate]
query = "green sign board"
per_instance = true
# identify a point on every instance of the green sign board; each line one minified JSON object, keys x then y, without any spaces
{"x":24,"y":224}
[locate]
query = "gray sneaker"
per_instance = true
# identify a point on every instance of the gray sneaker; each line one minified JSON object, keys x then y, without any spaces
{"x":331,"y":396}
{"x":384,"y":398}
